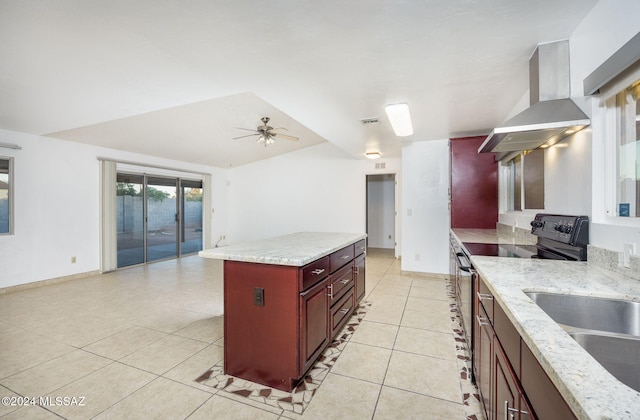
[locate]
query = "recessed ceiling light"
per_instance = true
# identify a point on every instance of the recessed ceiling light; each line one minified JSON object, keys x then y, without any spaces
{"x":373,"y":155}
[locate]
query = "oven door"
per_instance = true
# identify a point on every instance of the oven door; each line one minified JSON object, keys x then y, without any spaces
{"x":464,"y":298}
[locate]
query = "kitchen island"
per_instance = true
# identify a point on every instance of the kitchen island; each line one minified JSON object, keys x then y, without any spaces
{"x":285,"y":298}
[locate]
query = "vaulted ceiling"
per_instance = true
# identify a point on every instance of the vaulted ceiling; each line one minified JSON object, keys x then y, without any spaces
{"x":176,"y":78}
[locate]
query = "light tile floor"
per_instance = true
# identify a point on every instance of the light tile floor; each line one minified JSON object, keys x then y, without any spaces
{"x":130,"y":344}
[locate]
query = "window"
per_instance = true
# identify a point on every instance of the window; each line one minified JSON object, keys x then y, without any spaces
{"x":628,"y":151}
{"x":525,"y":181}
{"x":6,"y":196}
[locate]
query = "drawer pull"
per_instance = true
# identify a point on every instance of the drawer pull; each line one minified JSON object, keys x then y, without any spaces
{"x":484,"y":296}
{"x":344,"y":311}
{"x":344,"y":257}
{"x":481,"y":321}
{"x":345,"y":281}
{"x":330,"y":291}
{"x":317,"y":271}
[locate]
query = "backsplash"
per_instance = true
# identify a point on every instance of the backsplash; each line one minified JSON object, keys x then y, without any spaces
{"x":612,"y":260}
{"x":520,"y":235}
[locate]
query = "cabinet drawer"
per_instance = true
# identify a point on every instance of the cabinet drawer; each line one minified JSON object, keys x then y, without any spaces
{"x":360,"y":247}
{"x":342,"y":257}
{"x":341,"y":311}
{"x":485,"y":297}
{"x":340,"y":282}
{"x":314,"y":272}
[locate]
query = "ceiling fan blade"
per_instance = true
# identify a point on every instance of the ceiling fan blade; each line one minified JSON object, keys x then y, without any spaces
{"x":279,"y":128}
{"x":285,"y":136}
{"x":248,"y":135}
{"x":246,"y":129}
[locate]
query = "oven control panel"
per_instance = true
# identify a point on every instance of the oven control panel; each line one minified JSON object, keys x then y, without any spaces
{"x":572,"y":230}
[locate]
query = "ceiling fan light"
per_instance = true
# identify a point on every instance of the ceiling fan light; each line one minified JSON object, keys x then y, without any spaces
{"x":373,"y":155}
{"x":400,"y":119}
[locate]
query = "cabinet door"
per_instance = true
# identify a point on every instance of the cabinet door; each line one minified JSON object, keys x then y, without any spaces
{"x":483,"y":355}
{"x":314,"y":324}
{"x":360,"y":278}
{"x":506,"y":400}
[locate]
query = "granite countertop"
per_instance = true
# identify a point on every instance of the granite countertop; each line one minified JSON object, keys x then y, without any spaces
{"x":296,"y":249}
{"x":590,"y":390}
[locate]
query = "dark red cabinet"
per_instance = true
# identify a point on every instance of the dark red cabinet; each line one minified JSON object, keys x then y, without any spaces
{"x":474,"y":185}
{"x":276,"y":338}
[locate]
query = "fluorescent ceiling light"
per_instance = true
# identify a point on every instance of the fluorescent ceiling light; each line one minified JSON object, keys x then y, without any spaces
{"x":400,"y":119}
{"x":373,"y":155}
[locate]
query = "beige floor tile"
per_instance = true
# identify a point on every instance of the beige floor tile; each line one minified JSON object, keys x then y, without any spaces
{"x":219,"y":407}
{"x":424,"y":375}
{"x":425,"y":342}
{"x":388,"y":289}
{"x":101,"y":389}
{"x":375,"y":334}
{"x":163,"y":399}
{"x":125,"y":342}
{"x":7,"y":408}
{"x":341,"y":397}
{"x":350,"y":362}
{"x":428,"y":306}
{"x":429,"y":289}
{"x":166,"y":319}
{"x":435,"y":321}
{"x":44,"y":378}
{"x":32,"y":412}
{"x":164,"y":354}
{"x":404,"y":405}
{"x":208,"y":330}
{"x":22,"y":349}
{"x":189,"y":370}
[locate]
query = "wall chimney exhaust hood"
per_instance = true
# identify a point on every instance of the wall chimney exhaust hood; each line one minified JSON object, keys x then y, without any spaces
{"x":552,"y":116}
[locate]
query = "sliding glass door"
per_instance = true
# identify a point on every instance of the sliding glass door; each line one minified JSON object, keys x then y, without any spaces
{"x":130,"y":219}
{"x":157,"y":218}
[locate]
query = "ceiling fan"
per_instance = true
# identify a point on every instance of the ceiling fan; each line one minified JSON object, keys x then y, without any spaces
{"x":267,"y":134}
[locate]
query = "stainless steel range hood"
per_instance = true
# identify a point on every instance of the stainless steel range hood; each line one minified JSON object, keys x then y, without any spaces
{"x":552,"y":116}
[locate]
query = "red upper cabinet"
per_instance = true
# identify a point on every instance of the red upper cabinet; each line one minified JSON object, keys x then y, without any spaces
{"x":474,"y":185}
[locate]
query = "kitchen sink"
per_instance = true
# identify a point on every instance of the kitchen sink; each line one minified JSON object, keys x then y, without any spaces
{"x":611,"y":315}
{"x":616,"y":353}
{"x":608,"y":329}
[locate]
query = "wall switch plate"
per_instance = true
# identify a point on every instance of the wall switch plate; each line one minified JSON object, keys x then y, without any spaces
{"x":258,"y":296}
{"x":629,"y":250}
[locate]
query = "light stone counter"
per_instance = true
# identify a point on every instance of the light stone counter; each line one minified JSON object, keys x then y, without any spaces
{"x":296,"y":249}
{"x":504,"y":235}
{"x":591,"y":391}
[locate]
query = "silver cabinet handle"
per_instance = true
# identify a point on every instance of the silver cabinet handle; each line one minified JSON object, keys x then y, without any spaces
{"x":317,"y":271}
{"x":344,"y":257}
{"x":344,"y":311}
{"x":330,"y":291}
{"x":484,"y":296}
{"x":481,"y":321}
{"x":345,"y":281}
{"x":357,"y":271}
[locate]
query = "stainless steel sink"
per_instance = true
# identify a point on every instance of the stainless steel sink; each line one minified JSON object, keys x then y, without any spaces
{"x":608,"y":329}
{"x":616,"y":316}
{"x":618,"y":354}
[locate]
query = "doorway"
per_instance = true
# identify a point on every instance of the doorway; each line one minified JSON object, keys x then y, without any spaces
{"x":157,"y":218}
{"x":381,"y":211}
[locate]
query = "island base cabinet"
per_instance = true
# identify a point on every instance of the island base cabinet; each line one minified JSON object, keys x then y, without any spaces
{"x":279,"y":319}
{"x":261,"y":342}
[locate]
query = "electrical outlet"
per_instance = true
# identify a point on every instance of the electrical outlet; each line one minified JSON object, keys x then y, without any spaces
{"x":73,"y":260}
{"x":629,"y":250}
{"x":258,"y":296}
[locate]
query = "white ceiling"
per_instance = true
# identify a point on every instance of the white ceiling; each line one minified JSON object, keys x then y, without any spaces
{"x":173,"y":78}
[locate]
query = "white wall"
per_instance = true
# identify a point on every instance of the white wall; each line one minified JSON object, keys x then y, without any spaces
{"x":425,"y":206}
{"x":319,"y":188}
{"x":381,"y":208}
{"x":57,"y":212}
